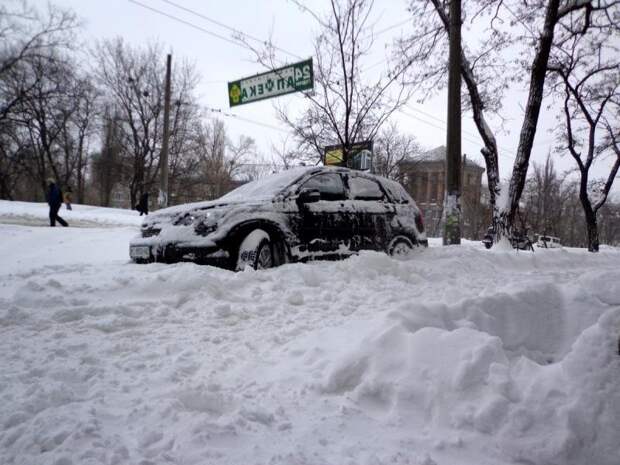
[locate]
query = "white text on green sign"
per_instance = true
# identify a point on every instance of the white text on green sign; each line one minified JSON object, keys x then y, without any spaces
{"x":292,"y":78}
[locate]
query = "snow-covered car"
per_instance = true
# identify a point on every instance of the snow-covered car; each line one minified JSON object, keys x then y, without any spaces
{"x":548,"y":242}
{"x":301,"y":214}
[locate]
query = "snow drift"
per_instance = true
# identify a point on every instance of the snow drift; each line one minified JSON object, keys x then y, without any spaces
{"x":458,"y":356}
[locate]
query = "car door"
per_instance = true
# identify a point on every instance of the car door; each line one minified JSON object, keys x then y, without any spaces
{"x":374,"y":211}
{"x":327,"y":221}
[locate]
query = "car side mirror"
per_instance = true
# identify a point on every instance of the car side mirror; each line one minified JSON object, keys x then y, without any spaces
{"x":309,"y":195}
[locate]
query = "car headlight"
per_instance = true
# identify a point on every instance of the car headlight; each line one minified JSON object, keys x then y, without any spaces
{"x":203,"y":228}
{"x":185,"y":220}
{"x":206,"y":222}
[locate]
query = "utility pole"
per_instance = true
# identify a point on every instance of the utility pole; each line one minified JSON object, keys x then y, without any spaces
{"x":452,"y":199}
{"x":162,"y":200}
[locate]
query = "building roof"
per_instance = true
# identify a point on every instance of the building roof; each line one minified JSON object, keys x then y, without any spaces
{"x":438,"y":154}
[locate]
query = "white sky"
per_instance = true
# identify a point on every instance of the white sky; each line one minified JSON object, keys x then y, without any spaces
{"x":219,"y":61}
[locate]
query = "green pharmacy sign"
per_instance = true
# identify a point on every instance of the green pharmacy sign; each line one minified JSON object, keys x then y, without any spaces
{"x":281,"y":81}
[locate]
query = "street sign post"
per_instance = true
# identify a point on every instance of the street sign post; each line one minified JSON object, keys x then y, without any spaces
{"x":281,"y":81}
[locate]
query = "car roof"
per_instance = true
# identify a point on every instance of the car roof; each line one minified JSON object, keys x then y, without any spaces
{"x":266,"y":187}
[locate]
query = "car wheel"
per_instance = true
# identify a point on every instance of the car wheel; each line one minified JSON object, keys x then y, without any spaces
{"x":255,"y":251}
{"x":400,"y":248}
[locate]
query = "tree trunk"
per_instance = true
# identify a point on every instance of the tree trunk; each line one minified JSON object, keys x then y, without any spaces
{"x":591,"y":224}
{"x":592,"y":231}
{"x":80,"y":171}
{"x":530,"y":120}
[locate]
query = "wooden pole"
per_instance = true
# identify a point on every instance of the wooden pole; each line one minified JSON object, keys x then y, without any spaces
{"x":452,"y":199}
{"x":162,"y":199}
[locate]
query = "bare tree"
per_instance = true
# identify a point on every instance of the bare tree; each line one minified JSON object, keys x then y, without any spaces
{"x":186,"y":118}
{"x":393,"y":148}
{"x":42,"y":118}
{"x":132,"y":80}
{"x":106,"y":165}
{"x":32,"y":43}
{"x":13,"y":151}
{"x":587,"y":71}
{"x":77,"y":132}
{"x":346,"y":106}
{"x":26,"y":35}
{"x":515,"y":28}
{"x":220,"y":159}
{"x":545,"y":199}
{"x":288,"y":154}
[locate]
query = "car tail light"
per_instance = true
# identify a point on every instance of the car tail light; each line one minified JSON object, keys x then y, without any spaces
{"x":419,"y":222}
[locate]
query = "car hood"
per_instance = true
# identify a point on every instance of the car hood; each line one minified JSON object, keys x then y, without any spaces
{"x":173,"y":214}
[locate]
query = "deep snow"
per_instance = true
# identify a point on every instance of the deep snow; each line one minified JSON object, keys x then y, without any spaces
{"x":457,"y":356}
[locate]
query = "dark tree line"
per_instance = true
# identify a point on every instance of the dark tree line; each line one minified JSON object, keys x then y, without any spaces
{"x":98,"y":130}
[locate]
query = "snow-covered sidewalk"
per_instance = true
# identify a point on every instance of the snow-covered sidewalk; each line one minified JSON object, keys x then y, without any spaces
{"x":458,"y":356}
{"x":37,"y":214}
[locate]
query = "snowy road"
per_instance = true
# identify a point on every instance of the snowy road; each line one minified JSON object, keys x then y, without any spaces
{"x":459,"y":356}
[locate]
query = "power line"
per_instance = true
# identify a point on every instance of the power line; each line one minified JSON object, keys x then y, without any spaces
{"x":442,"y":127}
{"x":230,"y":28}
{"x":466,"y":132}
{"x":192,"y":25}
{"x":236,"y":31}
{"x":247,"y":120}
{"x":389,"y":28}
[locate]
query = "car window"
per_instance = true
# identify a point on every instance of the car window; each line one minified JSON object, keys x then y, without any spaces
{"x":397,"y":193}
{"x":365,"y":189}
{"x":330,"y":186}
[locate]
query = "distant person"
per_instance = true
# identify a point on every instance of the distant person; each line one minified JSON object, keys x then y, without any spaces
{"x":143,"y":204}
{"x":67,"y":197}
{"x":54,"y":200}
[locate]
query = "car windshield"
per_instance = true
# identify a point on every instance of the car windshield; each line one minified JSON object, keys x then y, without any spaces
{"x":265,"y":188}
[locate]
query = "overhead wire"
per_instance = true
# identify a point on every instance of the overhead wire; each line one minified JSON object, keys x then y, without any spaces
{"x":233,"y":41}
{"x":389,"y":28}
{"x":247,"y":120}
{"x":443,"y":128}
{"x":428,"y":115}
{"x":505,"y":149}
{"x":230,"y":28}
{"x":192,"y":25}
{"x":264,"y":42}
{"x":429,"y":123}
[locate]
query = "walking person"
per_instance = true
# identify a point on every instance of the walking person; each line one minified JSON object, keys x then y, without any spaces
{"x":66,"y":197}
{"x":54,"y":200}
{"x":143,"y":204}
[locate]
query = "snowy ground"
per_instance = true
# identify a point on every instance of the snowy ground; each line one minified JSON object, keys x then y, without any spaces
{"x":458,"y":356}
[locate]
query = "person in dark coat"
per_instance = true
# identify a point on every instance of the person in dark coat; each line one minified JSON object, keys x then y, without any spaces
{"x":54,"y":200}
{"x":143,"y":204}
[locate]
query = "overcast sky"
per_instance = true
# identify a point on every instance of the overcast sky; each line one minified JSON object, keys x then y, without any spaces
{"x":219,"y":61}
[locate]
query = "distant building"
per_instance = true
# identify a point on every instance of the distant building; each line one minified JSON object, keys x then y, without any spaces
{"x":424,"y":178}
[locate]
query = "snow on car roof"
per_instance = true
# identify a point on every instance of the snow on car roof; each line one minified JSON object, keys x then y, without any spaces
{"x":267,"y":187}
{"x":261,"y":189}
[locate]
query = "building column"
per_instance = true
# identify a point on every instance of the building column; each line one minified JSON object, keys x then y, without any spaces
{"x":428,"y":187}
{"x":440,"y":189}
